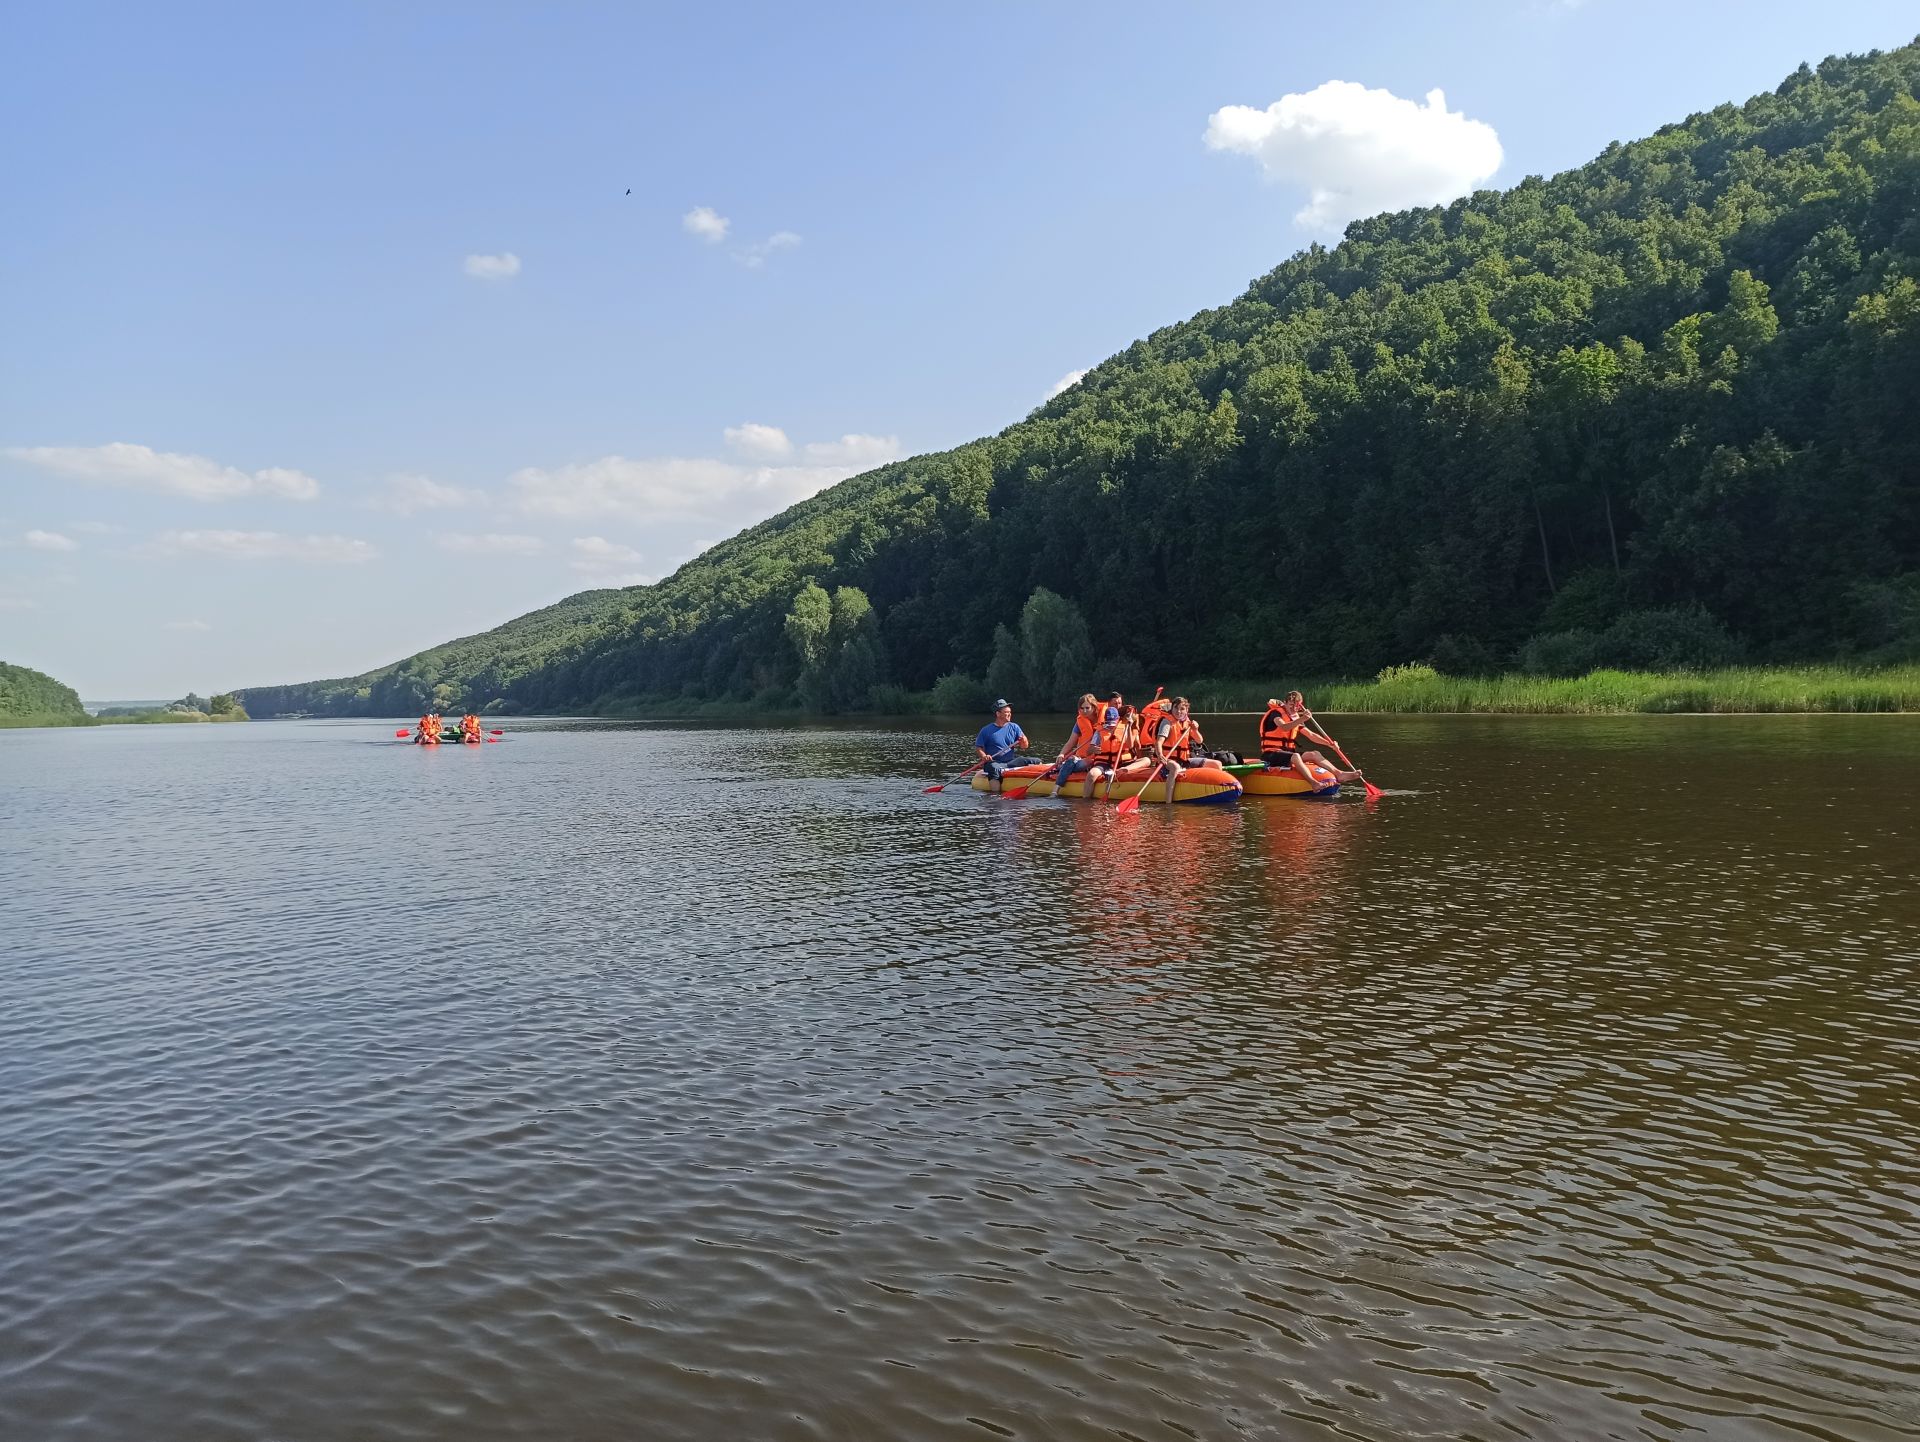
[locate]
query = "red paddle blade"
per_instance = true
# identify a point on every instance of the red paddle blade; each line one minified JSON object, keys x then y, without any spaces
{"x":399,"y":735}
{"x":1374,"y":793}
{"x":929,"y":790}
{"x":1130,"y":805}
{"x":1018,"y":792}
{"x":496,"y":733}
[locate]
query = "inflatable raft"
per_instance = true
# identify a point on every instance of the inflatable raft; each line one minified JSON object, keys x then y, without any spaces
{"x":1260,"y":781}
{"x":1197,"y":786}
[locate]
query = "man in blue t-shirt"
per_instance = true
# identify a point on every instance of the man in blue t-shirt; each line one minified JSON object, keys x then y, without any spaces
{"x":997,"y":742}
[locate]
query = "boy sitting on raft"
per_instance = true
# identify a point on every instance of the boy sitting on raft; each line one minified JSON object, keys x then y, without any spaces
{"x":1281,"y":729}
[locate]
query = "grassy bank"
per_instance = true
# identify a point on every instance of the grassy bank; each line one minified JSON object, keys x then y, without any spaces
{"x":1602,"y":693}
{"x":145,"y":718}
{"x":1410,"y":689}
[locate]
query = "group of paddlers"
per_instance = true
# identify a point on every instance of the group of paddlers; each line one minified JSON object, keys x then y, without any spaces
{"x":1108,"y":735}
{"x":432,"y":730}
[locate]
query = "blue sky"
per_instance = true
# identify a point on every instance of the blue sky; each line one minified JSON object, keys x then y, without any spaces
{"x":329,"y":332}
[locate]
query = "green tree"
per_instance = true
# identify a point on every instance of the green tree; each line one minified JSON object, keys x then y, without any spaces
{"x":1056,"y":651}
{"x":809,"y":624}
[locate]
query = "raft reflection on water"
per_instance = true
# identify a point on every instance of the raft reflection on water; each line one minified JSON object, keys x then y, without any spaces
{"x":1143,"y":883}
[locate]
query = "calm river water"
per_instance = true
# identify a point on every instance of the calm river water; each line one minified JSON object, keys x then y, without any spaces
{"x":658,"y":1083}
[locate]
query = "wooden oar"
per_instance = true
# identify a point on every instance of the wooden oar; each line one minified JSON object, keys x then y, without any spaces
{"x":1374,"y":793}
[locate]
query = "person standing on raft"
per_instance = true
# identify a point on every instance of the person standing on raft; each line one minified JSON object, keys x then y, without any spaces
{"x":1281,"y":730}
{"x":997,"y":742}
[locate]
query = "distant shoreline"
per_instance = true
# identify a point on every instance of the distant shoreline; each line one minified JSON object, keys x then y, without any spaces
{"x":1419,"y":690}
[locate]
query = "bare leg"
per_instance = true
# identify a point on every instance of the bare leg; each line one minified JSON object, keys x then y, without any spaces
{"x":1174,"y":768}
{"x":1309,"y":760}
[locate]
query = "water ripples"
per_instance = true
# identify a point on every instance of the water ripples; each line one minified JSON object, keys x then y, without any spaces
{"x":660,"y":1082}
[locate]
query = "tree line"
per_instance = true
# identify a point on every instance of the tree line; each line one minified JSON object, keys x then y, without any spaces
{"x":1655,"y":411}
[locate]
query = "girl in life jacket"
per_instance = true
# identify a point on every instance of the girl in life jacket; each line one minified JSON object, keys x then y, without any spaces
{"x":429,"y":732}
{"x":1083,"y":750}
{"x":470,"y":728}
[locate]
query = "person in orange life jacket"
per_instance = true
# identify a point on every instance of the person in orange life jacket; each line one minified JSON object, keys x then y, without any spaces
{"x":470,"y":727}
{"x":996,"y":743}
{"x":1082,"y":749}
{"x":1148,"y":722}
{"x":1174,"y":740}
{"x":1281,"y":731}
{"x":429,"y":727}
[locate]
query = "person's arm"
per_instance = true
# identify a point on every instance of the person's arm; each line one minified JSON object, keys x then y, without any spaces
{"x":1023,"y":743}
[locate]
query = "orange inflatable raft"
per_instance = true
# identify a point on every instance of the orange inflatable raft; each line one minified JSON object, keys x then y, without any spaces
{"x":1198,"y":785}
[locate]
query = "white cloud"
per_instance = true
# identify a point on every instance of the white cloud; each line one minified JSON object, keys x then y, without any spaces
{"x":489,"y":544}
{"x":1066,"y":383}
{"x":608,"y":563}
{"x":262,"y":546}
{"x":493,"y":267}
{"x":96,"y":528}
{"x":194,"y":477}
{"x":188,"y":626}
{"x":763,"y":442}
{"x":706,"y":223}
{"x":50,"y":541}
{"x":735,"y":493}
{"x":1360,"y":151}
{"x":859,"y":452}
{"x":407,"y":494}
{"x":754,"y":256}
{"x":670,"y":486}
{"x":18,"y":603}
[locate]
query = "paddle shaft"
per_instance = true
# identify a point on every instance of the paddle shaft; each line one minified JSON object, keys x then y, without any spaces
{"x":1372,"y":790}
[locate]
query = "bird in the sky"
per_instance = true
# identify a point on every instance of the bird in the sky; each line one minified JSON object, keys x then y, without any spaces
{"x":629,"y":191}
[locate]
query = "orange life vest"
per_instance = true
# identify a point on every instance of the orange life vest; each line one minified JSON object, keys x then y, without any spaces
{"x":1179,"y":739}
{"x":470,"y":726}
{"x":1110,"y":736}
{"x":1279,"y":731}
{"x":1084,"y":744}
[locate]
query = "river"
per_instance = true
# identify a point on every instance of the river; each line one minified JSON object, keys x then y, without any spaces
{"x":666,"y":1082}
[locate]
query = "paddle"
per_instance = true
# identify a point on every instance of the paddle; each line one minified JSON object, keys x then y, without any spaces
{"x":929,"y":790}
{"x":1374,"y":793}
{"x":1130,"y":804}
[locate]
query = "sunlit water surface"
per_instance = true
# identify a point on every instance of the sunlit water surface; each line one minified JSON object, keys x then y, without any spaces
{"x":654,"y":1082}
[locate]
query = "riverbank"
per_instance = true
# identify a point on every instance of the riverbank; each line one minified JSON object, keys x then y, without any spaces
{"x":144,"y":718}
{"x":1416,"y":689}
{"x":1733,"y":691}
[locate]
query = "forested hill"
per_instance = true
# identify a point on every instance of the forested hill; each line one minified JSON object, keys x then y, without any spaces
{"x":1660,"y":410}
{"x":25,"y":692}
